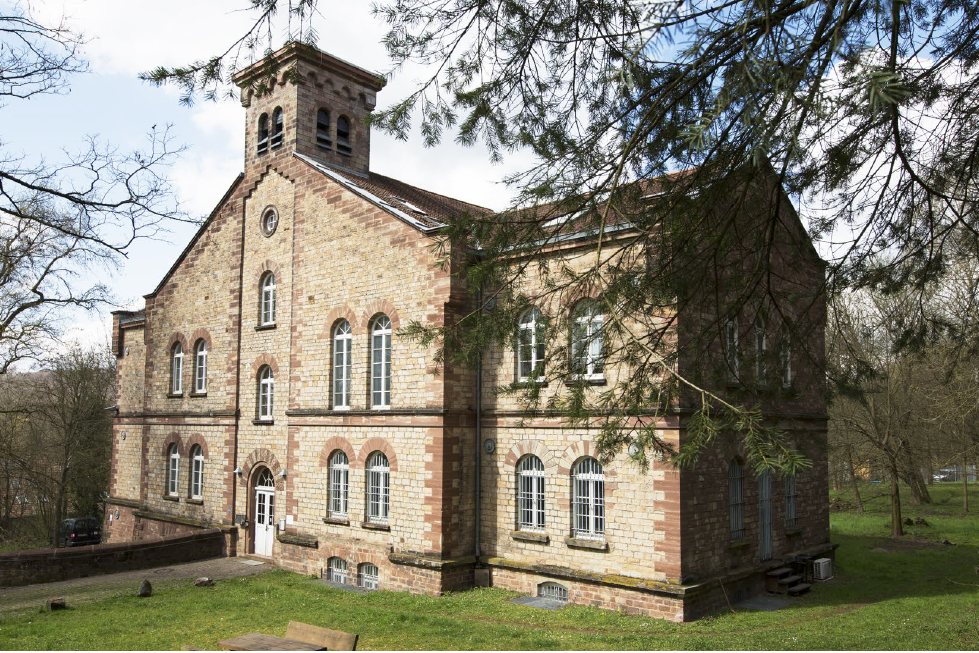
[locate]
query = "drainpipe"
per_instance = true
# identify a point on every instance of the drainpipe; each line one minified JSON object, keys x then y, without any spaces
{"x":479,"y":436}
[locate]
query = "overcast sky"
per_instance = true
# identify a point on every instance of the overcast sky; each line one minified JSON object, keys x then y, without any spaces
{"x":127,"y":37}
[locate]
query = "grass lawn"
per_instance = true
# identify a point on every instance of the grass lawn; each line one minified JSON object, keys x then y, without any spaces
{"x":912,"y":594}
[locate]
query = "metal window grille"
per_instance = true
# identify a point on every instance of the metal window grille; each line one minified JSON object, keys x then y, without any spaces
{"x":263,"y":134}
{"x":266,"y":393}
{"x":791,"y":501}
{"x":378,"y":488}
{"x":530,"y":346}
{"x":530,"y":494}
{"x":552,"y":590}
{"x":276,"y":139}
{"x":731,"y":348}
{"x":323,"y":129}
{"x":589,"y":499}
{"x":765,"y":515}
{"x":197,"y":473}
{"x":176,"y":369}
{"x":586,"y":341}
{"x":735,"y":489}
{"x":369,"y":576}
{"x":338,"y":570}
{"x":339,"y":484}
{"x":342,"y":340}
{"x":786,"y":361}
{"x":381,"y":363}
{"x":761,"y":346}
{"x":200,"y":370}
{"x":268,"y":299}
{"x":174,"y":472}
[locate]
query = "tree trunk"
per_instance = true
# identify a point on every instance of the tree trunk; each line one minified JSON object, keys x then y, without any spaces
{"x":897,"y":528}
{"x":853,"y":479}
{"x":965,"y":483}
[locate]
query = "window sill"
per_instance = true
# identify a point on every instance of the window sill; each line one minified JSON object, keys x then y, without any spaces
{"x":196,"y":502}
{"x":527,"y":383}
{"x":175,"y":395}
{"x":263,"y":422}
{"x":342,"y":153}
{"x":385,"y":408}
{"x":737,"y":545}
{"x":586,"y":381}
{"x":336,"y":521}
{"x":197,"y":395}
{"x":264,"y":327}
{"x":530,"y":536}
{"x":371,"y":526}
{"x":795,"y":530}
{"x":167,"y":497}
{"x":583,"y":543}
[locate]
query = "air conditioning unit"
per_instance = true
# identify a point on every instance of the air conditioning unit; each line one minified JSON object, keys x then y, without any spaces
{"x":822,"y":569}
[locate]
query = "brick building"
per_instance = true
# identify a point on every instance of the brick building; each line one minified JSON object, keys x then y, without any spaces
{"x":264,"y":390}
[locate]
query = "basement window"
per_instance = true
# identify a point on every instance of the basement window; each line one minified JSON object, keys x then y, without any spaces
{"x":552,"y":590}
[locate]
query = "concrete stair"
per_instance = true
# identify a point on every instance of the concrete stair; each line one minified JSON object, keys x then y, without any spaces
{"x":783,"y":581}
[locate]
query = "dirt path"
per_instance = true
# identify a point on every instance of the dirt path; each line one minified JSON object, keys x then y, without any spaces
{"x":93,"y":588}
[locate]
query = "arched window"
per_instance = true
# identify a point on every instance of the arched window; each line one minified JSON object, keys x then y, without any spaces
{"x":337,"y":568}
{"x":381,"y":362}
{"x":378,"y":488}
{"x":196,"y":472}
{"x":263,"y":133}
{"x":761,"y":349}
{"x":200,"y":367}
{"x":589,"y":499}
{"x":530,"y":494}
{"x":552,"y":590}
{"x":276,"y":139}
{"x":530,"y":346}
{"x":369,"y":576}
{"x":270,"y":221}
{"x":785,"y":357}
{"x":176,"y":369}
{"x":323,"y":129}
{"x":735,"y":490}
{"x":731,"y":353}
{"x":791,"y":501}
{"x":339,"y":483}
{"x":173,"y":470}
{"x":586,"y":341}
{"x":343,"y":135}
{"x":266,"y":392}
{"x":342,"y":340}
{"x":267,"y":300}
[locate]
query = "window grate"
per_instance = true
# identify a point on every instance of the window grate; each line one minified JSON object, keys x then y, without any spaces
{"x":736,"y":499}
{"x":552,"y":590}
{"x":589,"y":499}
{"x":339,"y":484}
{"x":791,"y":501}
{"x":378,"y":488}
{"x":530,"y":495}
{"x":369,"y":576}
{"x":337,"y":570}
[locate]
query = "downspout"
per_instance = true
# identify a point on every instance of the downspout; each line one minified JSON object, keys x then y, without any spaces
{"x":241,"y":296}
{"x":479,"y":434}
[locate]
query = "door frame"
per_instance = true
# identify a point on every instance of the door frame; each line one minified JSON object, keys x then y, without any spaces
{"x":254,"y":489}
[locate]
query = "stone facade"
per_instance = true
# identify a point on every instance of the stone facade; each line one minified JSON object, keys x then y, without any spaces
{"x":350,"y":245}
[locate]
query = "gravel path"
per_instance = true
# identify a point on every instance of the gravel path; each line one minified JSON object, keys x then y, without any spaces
{"x":93,"y":588}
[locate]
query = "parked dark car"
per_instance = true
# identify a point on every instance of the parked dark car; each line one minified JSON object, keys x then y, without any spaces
{"x":79,"y":530}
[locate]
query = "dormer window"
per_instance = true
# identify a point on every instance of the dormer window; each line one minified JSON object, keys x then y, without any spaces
{"x":323,"y":129}
{"x":276,"y":139}
{"x":263,"y":134}
{"x":343,"y":135}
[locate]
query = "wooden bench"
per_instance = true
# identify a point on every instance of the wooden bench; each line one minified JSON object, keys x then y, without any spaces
{"x":334,"y":640}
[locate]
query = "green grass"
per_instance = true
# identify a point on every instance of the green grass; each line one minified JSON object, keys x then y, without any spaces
{"x":914,"y":594}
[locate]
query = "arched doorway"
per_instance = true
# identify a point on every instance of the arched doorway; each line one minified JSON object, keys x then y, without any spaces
{"x":264,"y":497}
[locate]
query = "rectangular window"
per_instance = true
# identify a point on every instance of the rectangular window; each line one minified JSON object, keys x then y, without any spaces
{"x":379,"y":496}
{"x":731,"y":352}
{"x":381,"y":370}
{"x":172,"y":477}
{"x":339,"y":487}
{"x":791,"y":501}
{"x":341,"y":372}
{"x":197,"y":478}
{"x":736,"y":500}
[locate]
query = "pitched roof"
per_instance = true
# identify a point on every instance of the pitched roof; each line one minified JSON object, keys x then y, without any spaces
{"x":419,"y":208}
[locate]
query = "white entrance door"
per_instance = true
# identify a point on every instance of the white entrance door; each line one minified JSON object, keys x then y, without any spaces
{"x":765,"y":515}
{"x":264,"y":514}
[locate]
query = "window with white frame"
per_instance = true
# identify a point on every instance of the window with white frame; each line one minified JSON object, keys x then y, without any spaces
{"x":196,"y":472}
{"x":791,"y":501}
{"x":339,"y":483}
{"x":378,"y":488}
{"x":530,"y":494}
{"x":735,"y":491}
{"x":785,"y":357}
{"x":586,"y":341}
{"x":588,"y":479}
{"x":173,"y":470}
{"x":200,"y":367}
{"x":337,"y":570}
{"x":266,"y":392}
{"x":270,"y":222}
{"x":761,"y":349}
{"x":267,"y":299}
{"x":731,"y":353}
{"x":342,"y":340}
{"x":370,"y":579}
{"x":277,"y":128}
{"x":530,"y":346}
{"x":381,"y":362}
{"x":263,"y":133}
{"x":176,"y":369}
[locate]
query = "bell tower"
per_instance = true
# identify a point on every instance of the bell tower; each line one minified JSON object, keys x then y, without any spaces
{"x":301,"y":99}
